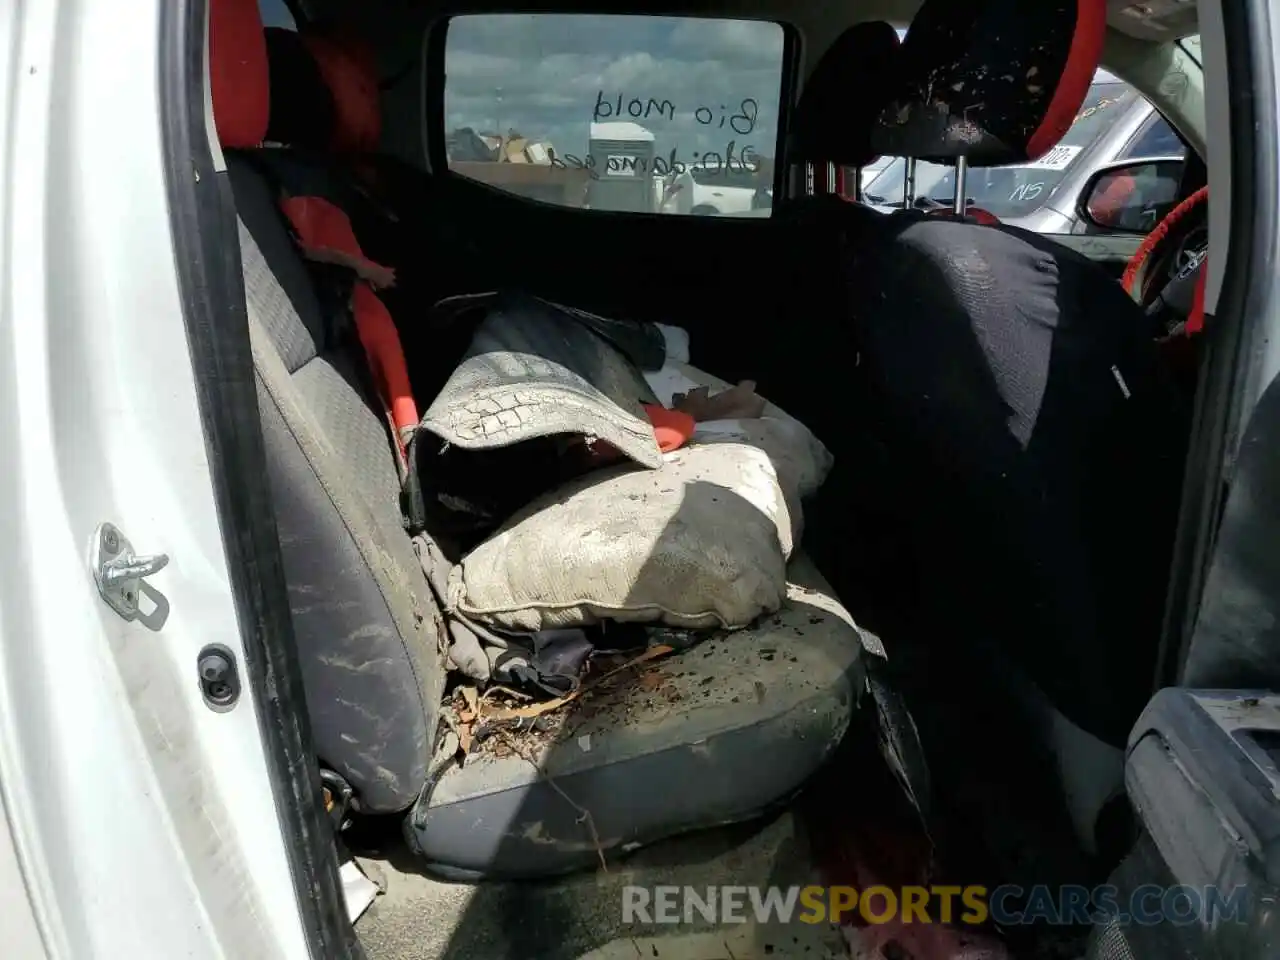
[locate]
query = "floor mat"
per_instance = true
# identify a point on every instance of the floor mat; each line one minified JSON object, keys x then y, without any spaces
{"x":995,"y":820}
{"x":1007,"y":821}
{"x":580,"y":917}
{"x":871,"y":835}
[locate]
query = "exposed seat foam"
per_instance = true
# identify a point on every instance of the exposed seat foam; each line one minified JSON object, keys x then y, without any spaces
{"x":716,"y":734}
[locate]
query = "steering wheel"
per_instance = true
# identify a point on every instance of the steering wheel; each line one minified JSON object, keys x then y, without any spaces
{"x":1166,"y":273}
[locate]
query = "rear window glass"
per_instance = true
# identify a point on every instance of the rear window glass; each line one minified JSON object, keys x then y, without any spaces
{"x":669,"y":115}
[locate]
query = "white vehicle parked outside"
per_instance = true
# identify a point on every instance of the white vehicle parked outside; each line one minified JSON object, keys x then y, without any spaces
{"x":875,"y":168}
{"x":704,"y":191}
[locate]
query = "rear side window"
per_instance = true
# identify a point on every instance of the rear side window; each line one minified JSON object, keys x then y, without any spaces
{"x":669,"y":115}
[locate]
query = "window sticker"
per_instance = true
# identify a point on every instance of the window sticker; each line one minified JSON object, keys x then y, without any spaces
{"x":1059,"y":158}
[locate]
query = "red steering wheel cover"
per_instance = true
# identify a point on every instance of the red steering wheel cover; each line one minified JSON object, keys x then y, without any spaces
{"x":1156,"y":236}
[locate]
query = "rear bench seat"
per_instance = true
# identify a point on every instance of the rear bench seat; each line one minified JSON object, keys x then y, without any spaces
{"x":717,"y":734}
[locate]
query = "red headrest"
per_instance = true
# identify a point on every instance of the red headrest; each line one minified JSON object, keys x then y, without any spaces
{"x":844,"y":95}
{"x":350,"y":71}
{"x":238,"y":75}
{"x":997,"y":81}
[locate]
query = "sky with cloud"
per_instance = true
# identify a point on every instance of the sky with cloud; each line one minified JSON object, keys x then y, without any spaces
{"x":544,"y":74}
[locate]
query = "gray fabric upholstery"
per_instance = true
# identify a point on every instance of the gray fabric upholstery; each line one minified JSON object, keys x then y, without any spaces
{"x":368,"y":630}
{"x":717,"y":734}
{"x":285,"y":298}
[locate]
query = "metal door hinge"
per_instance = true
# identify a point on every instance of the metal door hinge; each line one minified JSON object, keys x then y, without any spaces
{"x":119,"y":572}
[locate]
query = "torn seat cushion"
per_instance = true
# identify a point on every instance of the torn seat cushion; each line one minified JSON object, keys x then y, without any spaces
{"x":716,"y":734}
{"x":702,"y":541}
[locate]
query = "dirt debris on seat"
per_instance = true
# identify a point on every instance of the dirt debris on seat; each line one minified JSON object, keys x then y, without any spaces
{"x":536,"y":726}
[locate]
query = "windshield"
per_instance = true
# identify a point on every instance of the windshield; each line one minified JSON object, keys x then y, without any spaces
{"x":1019,"y":189}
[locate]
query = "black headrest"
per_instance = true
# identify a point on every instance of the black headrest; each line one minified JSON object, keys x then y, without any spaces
{"x":844,"y":95}
{"x":997,"y":81}
{"x":302,"y":110}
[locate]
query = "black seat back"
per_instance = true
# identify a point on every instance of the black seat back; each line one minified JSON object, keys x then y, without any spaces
{"x":1036,"y":439}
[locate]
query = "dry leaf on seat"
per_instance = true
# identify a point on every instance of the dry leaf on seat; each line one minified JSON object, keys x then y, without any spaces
{"x":538,"y":709}
{"x":737,"y":403}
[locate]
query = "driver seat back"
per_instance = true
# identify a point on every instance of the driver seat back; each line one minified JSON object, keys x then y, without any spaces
{"x":1038,"y":440}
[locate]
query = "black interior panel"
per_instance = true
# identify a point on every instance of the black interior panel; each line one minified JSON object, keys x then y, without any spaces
{"x":729,"y":281}
{"x":715,"y":276}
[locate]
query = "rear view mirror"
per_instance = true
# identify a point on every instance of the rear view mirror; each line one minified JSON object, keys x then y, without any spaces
{"x":1131,"y":196}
